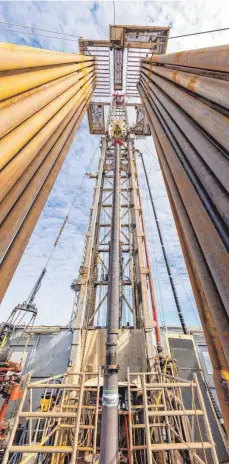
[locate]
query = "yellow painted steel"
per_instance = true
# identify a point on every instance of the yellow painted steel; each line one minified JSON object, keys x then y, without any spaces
{"x":11,"y":198}
{"x":11,"y":117}
{"x":14,"y":170}
{"x":16,"y":84}
{"x":17,"y":138}
{"x":21,"y":96}
{"x":19,"y":57}
{"x":21,"y":207}
{"x":13,"y":256}
{"x":43,"y":97}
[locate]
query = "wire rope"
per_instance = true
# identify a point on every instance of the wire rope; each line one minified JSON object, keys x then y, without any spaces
{"x":38,"y":29}
{"x":39,"y":35}
{"x":198,"y":33}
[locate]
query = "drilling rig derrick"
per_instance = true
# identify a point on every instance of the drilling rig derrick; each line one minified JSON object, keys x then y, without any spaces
{"x":122,"y":398}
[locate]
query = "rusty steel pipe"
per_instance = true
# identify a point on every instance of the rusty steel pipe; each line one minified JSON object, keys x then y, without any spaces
{"x":14,"y":253}
{"x":192,"y":209}
{"x":19,"y":57}
{"x":213,"y":58}
{"x":12,"y":116}
{"x":194,"y":261}
{"x":210,"y":242}
{"x":199,"y":275}
{"x":25,"y":201}
{"x":207,"y":87}
{"x":20,"y":136}
{"x":209,"y":119}
{"x":14,"y":85}
{"x":216,"y":159}
{"x":11,"y":173}
{"x":194,"y":166}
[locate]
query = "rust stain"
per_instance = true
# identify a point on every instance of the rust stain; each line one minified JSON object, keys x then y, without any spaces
{"x":192,"y":83}
{"x":178,"y":55}
{"x":174,"y":75}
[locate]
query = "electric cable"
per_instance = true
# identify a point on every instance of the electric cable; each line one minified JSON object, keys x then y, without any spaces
{"x":114,"y":10}
{"x":198,"y":33}
{"x":39,"y":35}
{"x":38,"y":29}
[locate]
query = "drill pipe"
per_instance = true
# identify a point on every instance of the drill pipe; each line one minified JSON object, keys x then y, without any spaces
{"x":19,"y":57}
{"x":25,"y":201}
{"x":217,"y":160}
{"x":197,"y":169}
{"x":8,"y":202}
{"x":21,"y":135}
{"x":109,"y":428}
{"x":199,"y":273}
{"x":205,"y":86}
{"x":14,"y":85}
{"x":13,"y":115}
{"x":16,"y":167}
{"x":198,"y":207}
{"x":15,"y":252}
{"x":209,"y":119}
{"x":214,"y":58}
{"x":209,"y":303}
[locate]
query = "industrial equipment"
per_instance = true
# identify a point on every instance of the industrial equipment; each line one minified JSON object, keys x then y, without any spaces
{"x":122,"y":397}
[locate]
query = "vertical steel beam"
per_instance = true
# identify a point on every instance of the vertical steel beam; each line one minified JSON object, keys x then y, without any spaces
{"x":86,"y":270}
{"x":109,"y":430}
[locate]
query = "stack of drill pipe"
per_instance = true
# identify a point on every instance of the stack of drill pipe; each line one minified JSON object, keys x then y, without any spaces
{"x":43,"y":98}
{"x":186,"y":98}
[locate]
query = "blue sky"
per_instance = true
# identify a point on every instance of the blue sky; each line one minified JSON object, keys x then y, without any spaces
{"x":91,"y":20}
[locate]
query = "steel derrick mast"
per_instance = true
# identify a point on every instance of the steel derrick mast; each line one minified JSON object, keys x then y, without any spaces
{"x":121,"y":398}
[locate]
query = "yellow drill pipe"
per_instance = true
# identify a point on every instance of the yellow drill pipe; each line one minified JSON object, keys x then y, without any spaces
{"x":14,"y":254}
{"x":18,"y":137}
{"x":7,"y":204}
{"x":18,"y":83}
{"x":14,"y":57}
{"x":28,"y":93}
{"x":15,"y":218}
{"x":16,"y":167}
{"x":24,"y":48}
{"x":12,"y":116}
